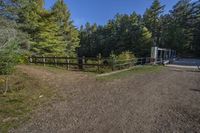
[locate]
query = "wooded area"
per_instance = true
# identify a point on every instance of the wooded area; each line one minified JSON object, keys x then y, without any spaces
{"x":28,"y":29}
{"x":179,"y":30}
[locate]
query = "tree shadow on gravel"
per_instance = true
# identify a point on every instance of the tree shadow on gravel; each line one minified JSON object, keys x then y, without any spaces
{"x":196,"y":90}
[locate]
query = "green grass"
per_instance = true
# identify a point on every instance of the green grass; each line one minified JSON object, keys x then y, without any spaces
{"x":136,"y":70}
{"x":25,"y":94}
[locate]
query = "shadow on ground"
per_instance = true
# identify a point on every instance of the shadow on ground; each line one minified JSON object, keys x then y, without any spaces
{"x":197,"y":90}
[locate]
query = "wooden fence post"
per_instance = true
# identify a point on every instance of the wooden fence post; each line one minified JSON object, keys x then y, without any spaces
{"x":30,"y":59}
{"x":130,"y":63}
{"x":35,"y":60}
{"x":142,"y":59}
{"x":80,"y":63}
{"x":43,"y":59}
{"x":83,"y":62}
{"x":99,"y":62}
{"x":113,"y":64}
{"x":68,"y":63}
{"x":161,"y":60}
{"x":146,"y":60}
{"x":55,"y":61}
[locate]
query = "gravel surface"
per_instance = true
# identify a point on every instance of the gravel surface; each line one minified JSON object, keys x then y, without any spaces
{"x":187,"y":62}
{"x":166,"y":101}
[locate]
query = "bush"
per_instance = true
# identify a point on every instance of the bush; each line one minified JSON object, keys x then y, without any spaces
{"x":125,"y":56}
{"x":123,"y":60}
{"x":11,"y":40}
{"x":9,"y":57}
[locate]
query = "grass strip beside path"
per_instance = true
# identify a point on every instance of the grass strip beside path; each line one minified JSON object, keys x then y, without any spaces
{"x":129,"y":72}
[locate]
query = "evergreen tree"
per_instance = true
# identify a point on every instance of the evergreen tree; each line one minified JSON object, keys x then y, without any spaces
{"x":123,"y":33}
{"x":194,"y":24}
{"x":10,"y":39}
{"x":180,"y":14}
{"x":151,"y":20}
{"x":53,"y":33}
{"x":47,"y":40}
{"x":88,"y":40}
{"x":66,"y":28}
{"x":43,"y":31}
{"x":181,"y":28}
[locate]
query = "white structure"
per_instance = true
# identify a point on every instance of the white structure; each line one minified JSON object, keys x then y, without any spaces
{"x":162,"y":54}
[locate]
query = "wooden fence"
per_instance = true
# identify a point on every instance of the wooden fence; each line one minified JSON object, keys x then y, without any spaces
{"x":85,"y":62}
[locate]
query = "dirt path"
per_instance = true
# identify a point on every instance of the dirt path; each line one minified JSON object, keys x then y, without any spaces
{"x":168,"y":101}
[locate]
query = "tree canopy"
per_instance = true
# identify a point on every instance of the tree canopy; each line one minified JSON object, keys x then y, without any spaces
{"x":178,"y":30}
{"x":52,"y":32}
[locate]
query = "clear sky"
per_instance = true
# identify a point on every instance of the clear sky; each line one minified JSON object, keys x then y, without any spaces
{"x":100,"y":11}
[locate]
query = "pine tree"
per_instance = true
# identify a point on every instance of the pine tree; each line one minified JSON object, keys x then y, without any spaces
{"x":196,"y":27}
{"x":66,"y":28}
{"x":123,"y":33}
{"x":177,"y":30}
{"x":43,"y":30}
{"x":151,"y":20}
{"x":10,"y":39}
{"x":47,"y":40}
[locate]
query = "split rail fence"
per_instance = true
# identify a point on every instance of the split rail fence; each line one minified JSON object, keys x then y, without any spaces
{"x":85,"y":62}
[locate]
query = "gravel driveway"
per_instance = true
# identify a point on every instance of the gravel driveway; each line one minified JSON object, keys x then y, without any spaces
{"x":166,"y":101}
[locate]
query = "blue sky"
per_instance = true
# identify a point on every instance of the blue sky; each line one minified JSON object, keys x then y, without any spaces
{"x":100,"y":11}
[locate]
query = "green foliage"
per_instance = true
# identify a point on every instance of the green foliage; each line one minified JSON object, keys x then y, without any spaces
{"x":47,"y":40}
{"x":178,"y":30}
{"x":50,"y":32}
{"x":9,"y":57}
{"x":12,"y":45}
{"x":125,"y":56}
{"x":181,"y":28}
{"x":151,"y":20}
{"x":123,"y":33}
{"x":66,"y":29}
{"x":40,"y":3}
{"x":42,"y":29}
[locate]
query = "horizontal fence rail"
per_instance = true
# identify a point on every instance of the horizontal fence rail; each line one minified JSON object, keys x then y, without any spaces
{"x":86,"y":62}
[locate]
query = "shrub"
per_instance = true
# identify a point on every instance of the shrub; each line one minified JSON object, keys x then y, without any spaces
{"x":9,"y":57}
{"x":125,"y":56}
{"x":11,"y":40}
{"x":122,"y":60}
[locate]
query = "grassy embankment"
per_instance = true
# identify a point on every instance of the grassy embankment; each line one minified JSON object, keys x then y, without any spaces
{"x":25,"y":94}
